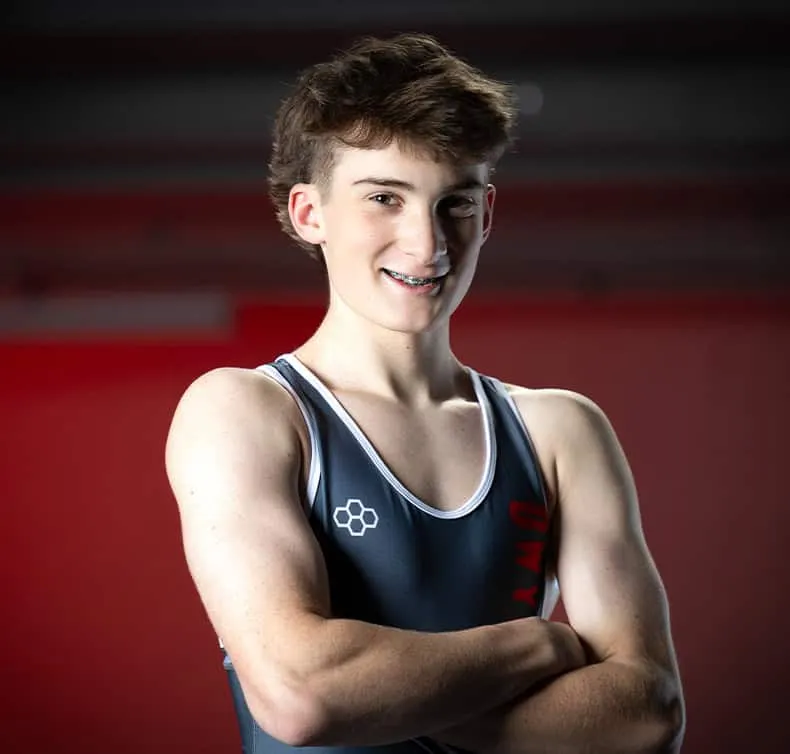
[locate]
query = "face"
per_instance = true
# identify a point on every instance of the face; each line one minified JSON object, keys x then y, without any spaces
{"x":401,"y":233}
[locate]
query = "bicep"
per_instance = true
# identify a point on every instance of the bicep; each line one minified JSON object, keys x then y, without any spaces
{"x":234,"y":469}
{"x":611,"y":589}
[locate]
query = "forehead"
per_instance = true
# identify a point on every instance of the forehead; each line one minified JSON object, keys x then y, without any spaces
{"x":393,"y":162}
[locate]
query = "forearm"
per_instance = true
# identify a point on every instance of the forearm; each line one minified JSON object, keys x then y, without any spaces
{"x":359,"y":684}
{"x":609,"y":707}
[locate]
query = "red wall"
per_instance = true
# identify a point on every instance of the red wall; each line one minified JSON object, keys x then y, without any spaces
{"x":106,"y":642}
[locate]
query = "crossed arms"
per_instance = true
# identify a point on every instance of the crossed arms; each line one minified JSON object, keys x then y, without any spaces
{"x":608,"y":683}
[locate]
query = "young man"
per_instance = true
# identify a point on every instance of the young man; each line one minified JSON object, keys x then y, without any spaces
{"x":376,"y":530}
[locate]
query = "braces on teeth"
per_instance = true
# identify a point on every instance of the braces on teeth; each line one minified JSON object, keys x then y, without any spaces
{"x":412,"y":280}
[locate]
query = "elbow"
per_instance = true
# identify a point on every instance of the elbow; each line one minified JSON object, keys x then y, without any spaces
{"x":673,"y":727}
{"x":294,"y":726}
{"x":290,"y":714}
{"x":669,"y":720}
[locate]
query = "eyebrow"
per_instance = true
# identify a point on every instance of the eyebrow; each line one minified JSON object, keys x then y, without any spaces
{"x":464,"y":185}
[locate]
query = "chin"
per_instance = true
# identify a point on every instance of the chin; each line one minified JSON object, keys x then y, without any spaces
{"x":410,"y":328}
{"x":409,"y":316}
{"x":412,"y":322}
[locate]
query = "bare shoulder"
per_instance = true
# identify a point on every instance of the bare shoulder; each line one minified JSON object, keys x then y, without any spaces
{"x":562,"y":423}
{"x":564,"y":409}
{"x":233,"y":389}
{"x":225,"y":425}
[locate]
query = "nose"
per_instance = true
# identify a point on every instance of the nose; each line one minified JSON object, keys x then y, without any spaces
{"x":423,"y":238}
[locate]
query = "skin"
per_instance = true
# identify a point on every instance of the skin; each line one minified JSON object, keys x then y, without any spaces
{"x":237,"y":455}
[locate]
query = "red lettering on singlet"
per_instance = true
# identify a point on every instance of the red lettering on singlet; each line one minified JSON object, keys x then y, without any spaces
{"x":530,"y":554}
{"x":529,"y":516}
{"x":528,"y":595}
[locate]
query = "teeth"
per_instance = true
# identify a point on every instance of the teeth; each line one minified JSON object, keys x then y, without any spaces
{"x":413,"y":280}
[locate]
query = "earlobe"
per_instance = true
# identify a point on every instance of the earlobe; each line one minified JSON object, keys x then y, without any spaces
{"x":488,"y":210}
{"x":304,"y":209}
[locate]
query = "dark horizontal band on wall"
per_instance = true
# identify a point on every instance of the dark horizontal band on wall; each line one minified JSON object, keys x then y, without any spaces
{"x":29,"y":218}
{"x":691,"y":37}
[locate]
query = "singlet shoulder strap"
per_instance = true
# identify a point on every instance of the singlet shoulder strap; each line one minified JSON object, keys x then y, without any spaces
{"x":511,"y":413}
{"x":276,"y":372}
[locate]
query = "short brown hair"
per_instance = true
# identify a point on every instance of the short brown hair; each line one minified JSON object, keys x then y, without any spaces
{"x":408,"y":88}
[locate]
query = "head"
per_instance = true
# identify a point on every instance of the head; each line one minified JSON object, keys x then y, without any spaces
{"x":381,"y":163}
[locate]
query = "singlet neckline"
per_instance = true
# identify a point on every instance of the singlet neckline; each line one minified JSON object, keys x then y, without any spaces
{"x":486,"y":479}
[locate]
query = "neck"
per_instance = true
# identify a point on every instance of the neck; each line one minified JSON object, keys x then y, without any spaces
{"x":350,"y":353}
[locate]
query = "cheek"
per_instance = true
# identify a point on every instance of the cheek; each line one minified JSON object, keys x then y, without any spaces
{"x":465,"y":234}
{"x":353,"y":245}
{"x":349,"y":222}
{"x":362,"y":234}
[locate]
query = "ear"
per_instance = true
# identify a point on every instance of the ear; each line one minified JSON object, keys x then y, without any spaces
{"x":488,"y":211}
{"x":304,"y":209}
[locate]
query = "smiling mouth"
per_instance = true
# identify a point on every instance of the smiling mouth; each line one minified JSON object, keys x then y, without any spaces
{"x":415,"y":281}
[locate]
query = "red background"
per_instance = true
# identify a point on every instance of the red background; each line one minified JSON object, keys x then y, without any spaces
{"x":107,"y":643}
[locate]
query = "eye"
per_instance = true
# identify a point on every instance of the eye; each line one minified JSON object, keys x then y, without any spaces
{"x":385,"y":199}
{"x":459,"y":206}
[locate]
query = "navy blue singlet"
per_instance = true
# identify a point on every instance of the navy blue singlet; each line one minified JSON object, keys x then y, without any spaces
{"x":391,"y":559}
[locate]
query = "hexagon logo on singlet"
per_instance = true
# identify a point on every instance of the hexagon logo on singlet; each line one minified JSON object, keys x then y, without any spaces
{"x":355,"y":517}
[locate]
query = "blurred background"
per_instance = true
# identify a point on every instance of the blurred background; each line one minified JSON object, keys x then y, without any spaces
{"x":640,"y":256}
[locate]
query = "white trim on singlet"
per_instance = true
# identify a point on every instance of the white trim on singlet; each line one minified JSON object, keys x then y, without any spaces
{"x":314,"y":474}
{"x":488,"y":430}
{"x":505,"y":393}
